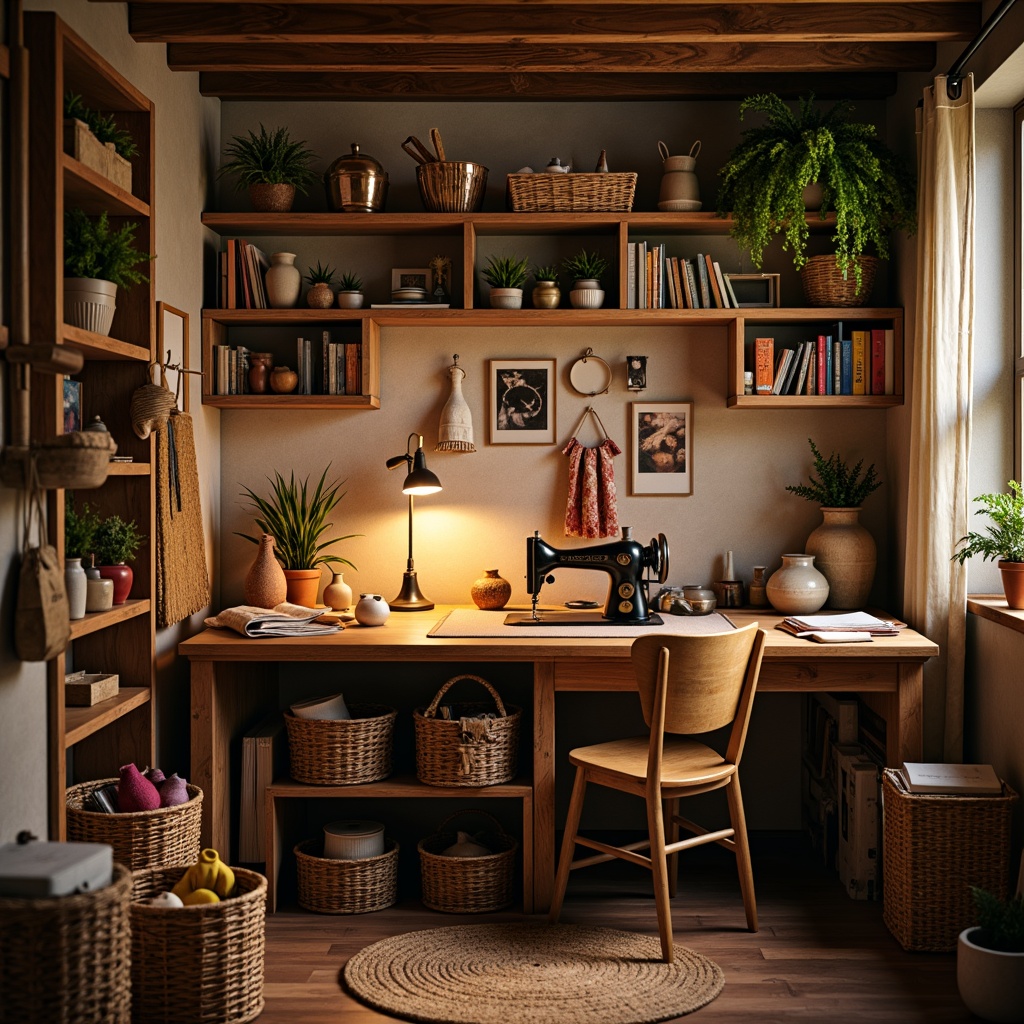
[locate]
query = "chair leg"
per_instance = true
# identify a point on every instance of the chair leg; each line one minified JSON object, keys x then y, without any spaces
{"x":670,"y":810}
{"x":659,"y":871}
{"x":743,"y":865}
{"x":565,"y":858}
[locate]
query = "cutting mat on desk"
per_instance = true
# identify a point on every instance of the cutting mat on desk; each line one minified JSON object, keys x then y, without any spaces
{"x":473,"y":622}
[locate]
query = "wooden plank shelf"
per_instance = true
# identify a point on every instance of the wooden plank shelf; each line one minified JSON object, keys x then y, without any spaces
{"x":95,"y":621}
{"x":397,"y":786}
{"x":99,"y":346}
{"x":292,"y":401}
{"x":82,"y":722}
{"x":129,"y":469}
{"x":94,"y":194}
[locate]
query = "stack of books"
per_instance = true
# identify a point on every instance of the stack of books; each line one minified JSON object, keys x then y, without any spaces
{"x":839,"y":623}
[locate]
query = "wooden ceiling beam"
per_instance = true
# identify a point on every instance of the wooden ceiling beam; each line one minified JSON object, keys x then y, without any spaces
{"x":637,"y":59}
{"x":505,"y":23}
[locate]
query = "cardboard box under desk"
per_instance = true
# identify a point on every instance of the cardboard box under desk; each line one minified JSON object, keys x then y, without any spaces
{"x":857,"y":856}
{"x":83,"y":689}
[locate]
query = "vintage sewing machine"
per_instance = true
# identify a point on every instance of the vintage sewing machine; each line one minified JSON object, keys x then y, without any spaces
{"x":625,"y":561}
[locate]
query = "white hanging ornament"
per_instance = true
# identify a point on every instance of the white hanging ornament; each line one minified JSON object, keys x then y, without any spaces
{"x":455,"y":433}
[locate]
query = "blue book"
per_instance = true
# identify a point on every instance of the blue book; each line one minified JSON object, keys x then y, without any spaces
{"x":828,"y":364}
{"x":846,"y":370}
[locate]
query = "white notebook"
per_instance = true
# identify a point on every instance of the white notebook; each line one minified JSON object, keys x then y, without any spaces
{"x":975,"y":779}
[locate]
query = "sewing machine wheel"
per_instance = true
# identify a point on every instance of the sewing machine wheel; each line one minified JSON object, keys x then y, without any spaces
{"x":659,"y":552}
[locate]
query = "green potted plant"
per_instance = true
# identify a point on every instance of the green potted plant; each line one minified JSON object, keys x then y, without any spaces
{"x":585,"y":270}
{"x":506,"y":275}
{"x":271,"y":166}
{"x":990,"y":958}
{"x":1003,"y":541}
{"x":298,"y":520}
{"x":843,"y":550}
{"x":117,"y":541}
{"x":546,"y":293}
{"x":320,"y":279}
{"x":97,"y":259}
{"x":350,"y":291}
{"x":98,"y":141}
{"x":764,"y":181}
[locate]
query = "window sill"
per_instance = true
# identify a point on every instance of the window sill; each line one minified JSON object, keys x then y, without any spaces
{"x":993,"y":607}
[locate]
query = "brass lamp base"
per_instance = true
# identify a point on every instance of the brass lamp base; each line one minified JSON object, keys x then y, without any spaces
{"x":410,"y":599}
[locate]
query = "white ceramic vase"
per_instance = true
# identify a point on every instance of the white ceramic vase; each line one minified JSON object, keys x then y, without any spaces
{"x":587,"y":294}
{"x":89,"y":303}
{"x":338,"y":594}
{"x":350,"y":300}
{"x":506,"y":298}
{"x":797,"y":588}
{"x":991,"y":982}
{"x":845,"y":553}
{"x":74,"y":584}
{"x":372,"y":610}
{"x":284,"y":281}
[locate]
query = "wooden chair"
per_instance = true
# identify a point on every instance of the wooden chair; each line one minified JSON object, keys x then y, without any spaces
{"x":688,"y":685}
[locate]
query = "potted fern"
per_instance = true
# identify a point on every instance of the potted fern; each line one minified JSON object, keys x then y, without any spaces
{"x":585,"y":270}
{"x":320,"y":279}
{"x":117,"y":542}
{"x":1003,"y":541}
{"x":546,"y":294}
{"x":990,"y":959}
{"x":506,"y":276}
{"x":79,"y":536}
{"x":766,"y":187}
{"x":350,"y":292}
{"x":271,"y":166}
{"x":844,"y":551}
{"x":98,"y":141}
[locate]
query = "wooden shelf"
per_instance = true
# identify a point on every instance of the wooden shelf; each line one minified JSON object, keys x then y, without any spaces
{"x":94,"y":194}
{"x":292,"y":401}
{"x":398,"y":786}
{"x":814,"y":401}
{"x":95,"y":621}
{"x":129,"y":469}
{"x":100,"y":346}
{"x":82,"y":722}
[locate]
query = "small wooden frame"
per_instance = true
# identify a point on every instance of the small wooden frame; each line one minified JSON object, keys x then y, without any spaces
{"x":83,"y":689}
{"x":756,"y":291}
{"x":172,"y":344}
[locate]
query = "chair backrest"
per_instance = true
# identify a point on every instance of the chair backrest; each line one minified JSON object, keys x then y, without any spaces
{"x":709,"y":680}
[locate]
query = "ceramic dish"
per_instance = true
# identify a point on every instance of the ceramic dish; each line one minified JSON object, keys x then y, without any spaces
{"x":680,"y":205}
{"x":409,"y":294}
{"x":590,"y":375}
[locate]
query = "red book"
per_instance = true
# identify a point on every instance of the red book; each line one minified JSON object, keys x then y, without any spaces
{"x":877,"y":361}
{"x":822,"y":363}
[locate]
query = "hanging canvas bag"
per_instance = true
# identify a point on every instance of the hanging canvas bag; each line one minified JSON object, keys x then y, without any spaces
{"x":42,"y":623}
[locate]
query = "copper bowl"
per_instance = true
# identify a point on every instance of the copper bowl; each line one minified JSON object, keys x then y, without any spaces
{"x":450,"y":186}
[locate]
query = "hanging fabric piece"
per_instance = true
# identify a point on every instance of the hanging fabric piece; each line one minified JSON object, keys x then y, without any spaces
{"x":591,"y":510}
{"x":455,"y":433}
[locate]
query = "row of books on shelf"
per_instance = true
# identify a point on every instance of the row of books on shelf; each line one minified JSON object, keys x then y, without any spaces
{"x":657,"y":281}
{"x":862,"y":364}
{"x":242,"y":276}
{"x":330,"y":368}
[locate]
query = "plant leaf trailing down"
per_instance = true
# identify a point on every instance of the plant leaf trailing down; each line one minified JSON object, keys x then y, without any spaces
{"x":1005,"y":537}
{"x":837,"y":485}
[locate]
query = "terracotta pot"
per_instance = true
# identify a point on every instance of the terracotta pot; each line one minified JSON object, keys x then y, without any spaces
{"x":271,"y":198}
{"x":303,"y":585}
{"x":845,"y":553}
{"x":122,"y":577}
{"x":1013,"y":583}
{"x":260,"y":364}
{"x":265,"y":583}
{"x":491,"y":592}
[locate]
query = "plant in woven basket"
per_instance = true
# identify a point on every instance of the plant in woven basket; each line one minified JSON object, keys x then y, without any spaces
{"x":117,"y":540}
{"x":269,"y":158}
{"x":837,"y":485}
{"x":93,"y":249}
{"x":870,"y":189}
{"x":585,"y":266}
{"x":506,"y":271}
{"x":80,"y":528}
{"x":297,"y":519}
{"x":103,"y":126}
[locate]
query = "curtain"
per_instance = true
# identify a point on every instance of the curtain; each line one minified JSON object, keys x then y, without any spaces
{"x":935,"y":588}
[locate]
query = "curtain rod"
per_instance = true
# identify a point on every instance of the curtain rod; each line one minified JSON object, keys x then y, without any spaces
{"x":954,"y":77}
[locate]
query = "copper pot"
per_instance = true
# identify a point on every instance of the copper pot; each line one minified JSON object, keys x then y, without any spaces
{"x":356,"y":183}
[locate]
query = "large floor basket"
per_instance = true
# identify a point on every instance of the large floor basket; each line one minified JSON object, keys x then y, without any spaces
{"x":357,"y":886}
{"x":464,"y":750}
{"x":344,"y":752}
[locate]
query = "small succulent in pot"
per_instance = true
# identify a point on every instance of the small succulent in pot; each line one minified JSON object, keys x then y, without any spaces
{"x":546,"y":274}
{"x":350,"y":291}
{"x":585,"y":266}
{"x":546,"y":293}
{"x":320,"y":279}
{"x":272,"y":166}
{"x":506,"y":275}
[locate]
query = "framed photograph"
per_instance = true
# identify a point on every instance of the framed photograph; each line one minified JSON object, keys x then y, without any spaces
{"x":72,"y":405}
{"x":412,"y":277}
{"x":172,"y":349}
{"x":661,"y":448}
{"x":755,"y":291}
{"x":522,"y":401}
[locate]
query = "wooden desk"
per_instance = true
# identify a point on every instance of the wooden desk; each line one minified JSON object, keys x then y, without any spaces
{"x":234,"y":682}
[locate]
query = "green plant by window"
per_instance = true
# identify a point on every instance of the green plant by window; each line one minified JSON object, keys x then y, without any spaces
{"x":79,"y":528}
{"x":837,"y":485}
{"x":585,"y":266}
{"x":1005,"y":537}
{"x":93,"y":249}
{"x":870,"y":189}
{"x":117,"y":540}
{"x":350,"y":283}
{"x":270,"y":158}
{"x":1001,"y":921}
{"x":320,"y":275}
{"x":546,"y":274}
{"x":506,"y":271}
{"x":103,"y":126}
{"x":297,"y":520}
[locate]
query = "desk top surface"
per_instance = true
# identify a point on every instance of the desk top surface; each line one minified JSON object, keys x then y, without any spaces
{"x":404,"y":638}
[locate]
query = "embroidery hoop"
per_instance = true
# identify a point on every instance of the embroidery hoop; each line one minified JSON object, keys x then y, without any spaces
{"x":590,"y":375}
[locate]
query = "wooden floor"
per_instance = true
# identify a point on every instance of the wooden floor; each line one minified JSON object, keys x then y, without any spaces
{"x":819,"y":956}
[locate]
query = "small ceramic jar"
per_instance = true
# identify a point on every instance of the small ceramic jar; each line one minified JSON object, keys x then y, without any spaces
{"x":372,"y":610}
{"x":283,"y":380}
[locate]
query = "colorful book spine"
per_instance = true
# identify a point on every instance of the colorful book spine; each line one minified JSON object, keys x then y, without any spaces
{"x":877,"y":361}
{"x":861,"y":345}
{"x":764,"y":363}
{"x":846,"y":368}
{"x":821,"y":368}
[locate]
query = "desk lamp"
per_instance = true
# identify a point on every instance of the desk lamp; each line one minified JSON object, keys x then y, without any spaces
{"x":419,"y":481}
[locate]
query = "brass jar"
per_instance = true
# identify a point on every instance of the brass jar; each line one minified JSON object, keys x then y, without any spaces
{"x":356,"y":183}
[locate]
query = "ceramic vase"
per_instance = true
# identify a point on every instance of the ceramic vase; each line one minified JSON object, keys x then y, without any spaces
{"x":990,"y":982}
{"x":284,"y":281}
{"x":283,"y":380}
{"x":260,"y":365}
{"x":506,"y":298}
{"x":320,"y":296}
{"x":303,"y":585}
{"x":210,"y":873}
{"x":1012,"y":575}
{"x":844,"y":552}
{"x":265,"y":583}
{"x":372,"y":610}
{"x":99,"y":593}
{"x":122,"y":577}
{"x":757,"y":596}
{"x":90,"y":303}
{"x":75,"y":583}
{"x":135,"y":792}
{"x":491,"y":592}
{"x":338,"y":594}
{"x":587,"y":294}
{"x":797,"y":588}
{"x":546,"y":295}
{"x":173,"y":791}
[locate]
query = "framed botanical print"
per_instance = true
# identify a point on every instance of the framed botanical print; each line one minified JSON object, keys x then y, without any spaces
{"x":661,"y":447}
{"x":522,"y":401}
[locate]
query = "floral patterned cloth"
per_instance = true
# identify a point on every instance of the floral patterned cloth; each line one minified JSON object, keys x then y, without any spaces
{"x":591,"y":510}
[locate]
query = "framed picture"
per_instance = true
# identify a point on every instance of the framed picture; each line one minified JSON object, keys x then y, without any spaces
{"x":522,"y":401}
{"x":172,"y":349}
{"x":72,"y":405}
{"x":412,"y":277}
{"x":661,"y":448}
{"x":755,"y":291}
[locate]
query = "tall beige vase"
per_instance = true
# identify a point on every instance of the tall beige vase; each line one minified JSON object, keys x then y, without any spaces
{"x":265,"y":584}
{"x":844,"y":551}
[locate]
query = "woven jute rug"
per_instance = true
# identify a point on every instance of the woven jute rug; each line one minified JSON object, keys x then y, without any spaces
{"x":530,"y":973}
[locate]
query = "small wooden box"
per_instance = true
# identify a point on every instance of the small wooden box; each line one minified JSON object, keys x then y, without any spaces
{"x":82,"y":690}
{"x":101,"y":157}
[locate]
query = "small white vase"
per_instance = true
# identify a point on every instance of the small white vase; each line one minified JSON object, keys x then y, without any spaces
{"x":587,"y":294}
{"x":372,"y":610}
{"x":506,"y":298}
{"x":74,"y":584}
{"x":338,"y":594}
{"x":284,"y":281}
{"x":797,"y":588}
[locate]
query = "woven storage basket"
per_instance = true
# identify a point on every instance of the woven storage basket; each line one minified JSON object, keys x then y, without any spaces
{"x":199,"y":964}
{"x":67,"y":960}
{"x":444,"y":757}
{"x":935,"y":848}
{"x":141,"y":839}
{"x":452,"y":186}
{"x":343,"y":752}
{"x":346,"y":886}
{"x":467,"y":885}
{"x":572,"y":193}
{"x":824,"y":284}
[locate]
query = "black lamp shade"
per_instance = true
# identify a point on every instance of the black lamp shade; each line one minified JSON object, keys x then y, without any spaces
{"x":420,"y":480}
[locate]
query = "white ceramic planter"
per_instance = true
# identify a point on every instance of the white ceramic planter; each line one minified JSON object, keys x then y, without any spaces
{"x":89,"y":303}
{"x":587,"y":294}
{"x":372,"y":610}
{"x":797,"y":588}
{"x":991,"y":983}
{"x":350,"y":300}
{"x":506,"y":298}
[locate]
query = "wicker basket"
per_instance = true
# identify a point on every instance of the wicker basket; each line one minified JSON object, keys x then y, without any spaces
{"x":452,"y":186}
{"x":198,"y":964}
{"x":825,"y":285}
{"x":141,"y":839}
{"x":935,"y":848}
{"x":608,"y":192}
{"x":346,"y":886}
{"x":342,"y":752}
{"x":68,"y":960}
{"x":467,"y":885}
{"x":448,"y":756}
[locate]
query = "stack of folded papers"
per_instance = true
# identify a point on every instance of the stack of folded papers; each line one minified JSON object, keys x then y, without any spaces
{"x":284,"y":619}
{"x":840,"y":622}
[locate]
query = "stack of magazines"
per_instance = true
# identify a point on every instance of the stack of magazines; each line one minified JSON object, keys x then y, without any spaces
{"x":840,"y":622}
{"x":282,"y":620}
